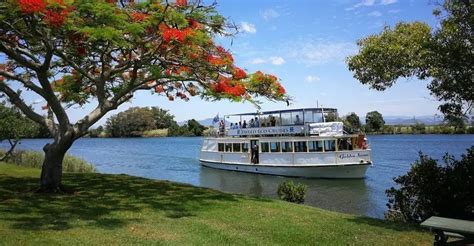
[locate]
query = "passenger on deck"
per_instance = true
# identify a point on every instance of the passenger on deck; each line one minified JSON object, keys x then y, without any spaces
{"x":231,"y":125}
{"x":251,"y":123}
{"x":364,"y":144}
{"x":245,"y":124}
{"x":240,"y":124}
{"x":272,"y":120}
{"x":297,"y":121}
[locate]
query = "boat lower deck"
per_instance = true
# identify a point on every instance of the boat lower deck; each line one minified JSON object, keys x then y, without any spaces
{"x":307,"y":171}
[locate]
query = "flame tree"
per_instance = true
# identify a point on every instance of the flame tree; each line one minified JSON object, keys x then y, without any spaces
{"x":74,"y":52}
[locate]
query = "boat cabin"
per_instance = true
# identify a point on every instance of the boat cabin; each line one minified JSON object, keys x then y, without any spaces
{"x":296,"y":122}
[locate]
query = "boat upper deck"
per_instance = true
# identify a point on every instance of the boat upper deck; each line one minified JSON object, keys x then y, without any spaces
{"x":288,"y":122}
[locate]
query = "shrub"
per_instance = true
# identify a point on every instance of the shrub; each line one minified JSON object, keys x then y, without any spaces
{"x":430,"y":189}
{"x":34,"y":159}
{"x":290,"y":192}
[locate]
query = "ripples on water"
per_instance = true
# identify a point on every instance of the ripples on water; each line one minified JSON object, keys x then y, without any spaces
{"x":176,"y":159}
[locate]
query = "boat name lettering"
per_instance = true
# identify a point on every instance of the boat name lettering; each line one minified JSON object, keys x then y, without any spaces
{"x":265,"y":131}
{"x":352,"y":155}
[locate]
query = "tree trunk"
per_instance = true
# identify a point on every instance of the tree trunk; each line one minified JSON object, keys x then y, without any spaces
{"x":52,"y":168}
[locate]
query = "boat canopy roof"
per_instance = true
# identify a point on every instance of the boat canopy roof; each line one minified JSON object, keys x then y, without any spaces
{"x":326,"y":110}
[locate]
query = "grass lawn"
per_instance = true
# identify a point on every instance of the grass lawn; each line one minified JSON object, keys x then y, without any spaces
{"x":121,"y":209}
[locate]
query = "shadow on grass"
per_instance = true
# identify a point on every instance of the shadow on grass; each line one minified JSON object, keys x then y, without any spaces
{"x":386,"y":224}
{"x":101,"y":201}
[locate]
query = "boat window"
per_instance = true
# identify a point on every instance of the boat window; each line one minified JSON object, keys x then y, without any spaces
{"x":205,"y":144}
{"x":315,"y":146}
{"x":245,"y":147}
{"x":236,"y":147}
{"x":297,"y":118}
{"x":308,"y":116}
{"x":228,"y":147}
{"x":287,"y":147}
{"x":329,"y":145}
{"x":344,"y":144}
{"x":265,"y":147}
{"x":286,"y":119}
{"x":317,"y":117}
{"x":275,"y":146}
{"x":220,"y":147}
{"x":300,"y":146}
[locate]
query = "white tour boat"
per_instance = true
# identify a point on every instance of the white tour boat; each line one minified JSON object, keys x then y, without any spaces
{"x":295,"y":142}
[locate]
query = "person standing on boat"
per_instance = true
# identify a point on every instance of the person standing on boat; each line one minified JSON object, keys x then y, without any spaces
{"x":245,"y":124}
{"x":257,"y":122}
{"x":254,"y":158}
{"x":221,"y":128}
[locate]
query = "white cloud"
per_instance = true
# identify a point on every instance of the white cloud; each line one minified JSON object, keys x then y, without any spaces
{"x":269,"y":14}
{"x":312,"y":78}
{"x":394,"y":11}
{"x":363,"y":3}
{"x":277,"y":60}
{"x":316,"y":52}
{"x":375,"y":14}
{"x":258,"y":61}
{"x":387,"y":2}
{"x":248,"y":27}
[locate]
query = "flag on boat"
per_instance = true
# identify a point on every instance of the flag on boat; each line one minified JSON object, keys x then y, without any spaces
{"x":216,"y":119}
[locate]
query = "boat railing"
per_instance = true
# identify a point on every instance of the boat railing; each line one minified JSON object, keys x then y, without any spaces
{"x":307,"y":129}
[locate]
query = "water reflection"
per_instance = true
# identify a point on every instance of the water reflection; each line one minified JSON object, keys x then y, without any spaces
{"x":349,"y":195}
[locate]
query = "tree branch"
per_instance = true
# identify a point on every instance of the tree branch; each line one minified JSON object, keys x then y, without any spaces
{"x":18,"y":102}
{"x":28,"y":84}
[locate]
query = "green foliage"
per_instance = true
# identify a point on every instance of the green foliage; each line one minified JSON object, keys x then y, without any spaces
{"x":290,"y":192}
{"x":413,"y":50}
{"x":163,"y":118}
{"x":330,"y":117}
{"x":195,"y":127}
{"x":14,"y":125}
{"x":191,"y":128}
{"x":155,"y":133}
{"x":374,"y":121}
{"x":130,"y":123}
{"x":97,"y":132}
{"x":419,"y":128}
{"x":352,"y":121}
{"x":431,"y":189}
{"x":35,"y":159}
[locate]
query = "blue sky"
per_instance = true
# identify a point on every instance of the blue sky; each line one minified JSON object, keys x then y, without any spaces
{"x":305,"y":44}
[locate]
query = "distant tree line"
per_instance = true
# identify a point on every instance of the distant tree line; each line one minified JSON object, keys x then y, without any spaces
{"x":136,"y":121}
{"x":375,"y":124}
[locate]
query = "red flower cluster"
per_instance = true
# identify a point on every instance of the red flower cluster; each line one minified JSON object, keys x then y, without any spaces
{"x":194,"y":24}
{"x":138,"y":17}
{"x":280,"y":89}
{"x":229,"y":87}
{"x":239,"y":73}
{"x":181,"y":3}
{"x":175,"y":34}
{"x":32,"y":6}
{"x":182,"y":96}
{"x":55,"y":18}
{"x":159,"y":89}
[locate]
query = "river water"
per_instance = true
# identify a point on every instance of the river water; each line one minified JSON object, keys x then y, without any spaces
{"x":176,"y":159}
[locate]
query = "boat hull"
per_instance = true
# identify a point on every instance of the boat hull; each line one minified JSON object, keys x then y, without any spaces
{"x":346,"y":171}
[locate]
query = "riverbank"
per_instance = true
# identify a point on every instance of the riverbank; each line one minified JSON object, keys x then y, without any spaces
{"x":122,"y":209}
